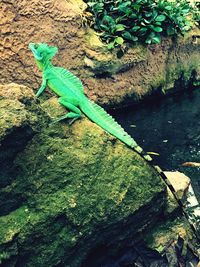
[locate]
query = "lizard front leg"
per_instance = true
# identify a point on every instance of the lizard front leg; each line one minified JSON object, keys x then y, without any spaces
{"x":42,"y":87}
{"x":70,"y":104}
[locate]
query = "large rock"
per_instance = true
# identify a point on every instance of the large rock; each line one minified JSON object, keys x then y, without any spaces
{"x":80,"y":188}
{"x":20,"y":119}
{"x":109,"y":77}
{"x":143,"y":70}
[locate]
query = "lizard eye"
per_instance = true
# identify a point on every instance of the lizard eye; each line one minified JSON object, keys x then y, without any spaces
{"x":36,"y":46}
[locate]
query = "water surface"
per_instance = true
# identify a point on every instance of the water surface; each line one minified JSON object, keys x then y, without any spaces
{"x":169,"y":126}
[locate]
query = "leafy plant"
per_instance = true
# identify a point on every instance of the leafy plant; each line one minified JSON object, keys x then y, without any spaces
{"x":129,"y":21}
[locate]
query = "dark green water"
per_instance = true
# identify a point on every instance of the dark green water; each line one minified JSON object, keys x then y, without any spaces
{"x":169,"y":126}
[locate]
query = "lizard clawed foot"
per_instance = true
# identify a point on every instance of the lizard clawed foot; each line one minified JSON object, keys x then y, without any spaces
{"x":72,"y":118}
{"x":53,"y":122}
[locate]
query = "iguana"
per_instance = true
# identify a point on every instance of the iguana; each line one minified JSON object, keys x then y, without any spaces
{"x":70,"y":89}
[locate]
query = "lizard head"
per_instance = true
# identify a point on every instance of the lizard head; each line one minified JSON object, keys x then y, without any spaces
{"x":43,"y":52}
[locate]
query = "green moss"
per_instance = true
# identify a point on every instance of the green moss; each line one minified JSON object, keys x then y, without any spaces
{"x":76,"y":174}
{"x":10,"y":225}
{"x":172,"y":205}
{"x":181,"y":71}
{"x":93,"y":39}
{"x":169,"y":230}
{"x":101,"y":60}
{"x":182,"y":67}
{"x":79,"y":183}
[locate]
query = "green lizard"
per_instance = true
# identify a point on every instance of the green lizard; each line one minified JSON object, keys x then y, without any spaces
{"x":70,"y":90}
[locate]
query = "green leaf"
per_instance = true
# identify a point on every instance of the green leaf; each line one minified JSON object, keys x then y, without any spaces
{"x":156,"y":39}
{"x":135,"y":28}
{"x":157,"y":29}
{"x":142,"y":31}
{"x":104,"y":27}
{"x":171,"y":31}
{"x":148,"y":41}
{"x":134,"y":38}
{"x":129,"y":36}
{"x":148,"y":14}
{"x":158,"y":23}
{"x":185,"y":11}
{"x":160,"y":18}
{"x":119,"y":27}
{"x":186,"y":28}
{"x":136,"y":6}
{"x":97,"y":7}
{"x":196,"y":83}
{"x":152,"y":34}
{"x":119,"y":40}
{"x":108,"y":20}
{"x":168,"y":8}
{"x":111,"y":45}
{"x":124,"y":6}
{"x":118,"y":21}
{"x":133,"y":16}
{"x":147,"y":21}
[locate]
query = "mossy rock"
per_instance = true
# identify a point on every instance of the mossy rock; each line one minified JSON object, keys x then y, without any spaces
{"x":81,"y":187}
{"x":20,"y":119}
{"x":169,"y":231}
{"x":123,"y":78}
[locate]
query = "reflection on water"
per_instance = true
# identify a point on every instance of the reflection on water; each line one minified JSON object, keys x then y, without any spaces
{"x":171,"y":127}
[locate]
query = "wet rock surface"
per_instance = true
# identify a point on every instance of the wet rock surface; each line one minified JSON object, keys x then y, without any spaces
{"x":73,"y":188}
{"x":180,"y":183}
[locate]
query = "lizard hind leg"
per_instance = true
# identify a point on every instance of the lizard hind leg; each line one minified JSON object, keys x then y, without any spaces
{"x":70,"y":104}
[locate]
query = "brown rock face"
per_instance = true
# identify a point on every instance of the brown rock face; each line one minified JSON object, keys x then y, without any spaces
{"x":51,"y":21}
{"x":109,"y":78}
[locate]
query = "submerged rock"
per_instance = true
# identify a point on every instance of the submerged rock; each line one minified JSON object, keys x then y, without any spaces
{"x":180,"y":183}
{"x":80,"y":188}
{"x":185,"y":193}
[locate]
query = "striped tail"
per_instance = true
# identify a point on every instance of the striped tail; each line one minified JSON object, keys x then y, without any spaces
{"x":98,"y":115}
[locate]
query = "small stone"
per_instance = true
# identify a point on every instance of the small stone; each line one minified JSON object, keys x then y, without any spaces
{"x":179,"y":181}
